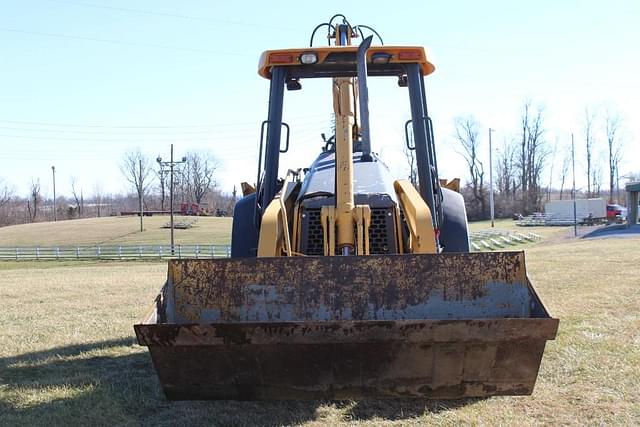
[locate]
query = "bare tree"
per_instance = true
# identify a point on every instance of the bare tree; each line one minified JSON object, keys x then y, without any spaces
{"x":505,"y":170}
{"x":98,"y":198}
{"x":79,"y":198}
{"x":564,"y":172}
{"x":200,"y":170}
{"x":588,"y":124}
{"x":181,"y":183}
{"x":531,"y":156}
{"x":467,"y":135}
{"x":34,"y":199}
{"x":551,"y":164}
{"x":136,"y":168}
{"x":410,"y":155}
{"x":161,"y":174}
{"x":596,"y":178}
{"x":612,"y":123}
{"x":5,"y":193}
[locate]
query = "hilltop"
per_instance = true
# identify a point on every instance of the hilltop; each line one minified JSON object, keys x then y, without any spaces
{"x":117,"y":230}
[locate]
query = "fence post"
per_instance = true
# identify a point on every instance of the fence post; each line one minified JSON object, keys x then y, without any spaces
{"x":57,"y":252}
{"x":228,"y":251}
{"x":197,"y":250}
{"x":98,"y":252}
{"x":37,"y":252}
{"x":17,"y":254}
{"x":160,"y":251}
{"x":77,"y":252}
{"x":139,"y":251}
{"x":119,"y":252}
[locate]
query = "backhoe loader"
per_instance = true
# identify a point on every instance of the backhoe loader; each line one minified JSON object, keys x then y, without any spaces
{"x":344,"y":283}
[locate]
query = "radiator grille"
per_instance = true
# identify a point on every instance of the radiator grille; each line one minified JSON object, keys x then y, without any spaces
{"x":314,"y":236}
{"x":381,"y":232}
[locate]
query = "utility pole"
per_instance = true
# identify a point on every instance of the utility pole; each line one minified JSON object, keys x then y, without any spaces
{"x":55,"y":215}
{"x":491,"y":206}
{"x":171,"y":164}
{"x":171,"y":199}
{"x":573,"y":191}
{"x":140,"y":195}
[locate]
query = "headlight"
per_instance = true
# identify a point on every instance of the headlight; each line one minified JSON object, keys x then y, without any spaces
{"x":309,"y":58}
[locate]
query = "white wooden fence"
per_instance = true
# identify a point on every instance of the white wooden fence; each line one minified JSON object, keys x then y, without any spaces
{"x":114,"y":252}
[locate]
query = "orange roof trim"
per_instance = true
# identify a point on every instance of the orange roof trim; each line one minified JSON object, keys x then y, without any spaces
{"x":291,"y":57}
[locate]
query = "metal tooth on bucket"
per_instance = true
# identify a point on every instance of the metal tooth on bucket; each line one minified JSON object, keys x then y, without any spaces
{"x":439,"y":326}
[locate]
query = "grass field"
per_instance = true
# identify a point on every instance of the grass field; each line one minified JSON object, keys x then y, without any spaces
{"x":117,"y":230}
{"x":68,"y":356}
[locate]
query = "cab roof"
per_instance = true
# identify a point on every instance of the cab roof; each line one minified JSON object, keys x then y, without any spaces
{"x":335,"y":61}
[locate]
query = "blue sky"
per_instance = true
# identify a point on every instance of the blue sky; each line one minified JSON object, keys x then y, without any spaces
{"x":82,"y":82}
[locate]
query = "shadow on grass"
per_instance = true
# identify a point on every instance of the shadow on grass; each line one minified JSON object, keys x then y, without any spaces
{"x":402,"y":409}
{"x":113,"y":382}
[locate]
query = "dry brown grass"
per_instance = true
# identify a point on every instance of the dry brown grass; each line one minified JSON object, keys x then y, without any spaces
{"x":116,"y":230}
{"x":67,"y":354}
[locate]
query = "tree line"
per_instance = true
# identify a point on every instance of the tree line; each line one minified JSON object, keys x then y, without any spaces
{"x":519,"y":168}
{"x":148,"y":180}
{"x":520,"y":162}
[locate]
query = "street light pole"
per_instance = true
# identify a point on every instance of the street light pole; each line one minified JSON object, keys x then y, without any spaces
{"x":573,"y":191}
{"x":140,"y":196}
{"x":55,"y":215}
{"x":171,"y":198}
{"x":171,"y":163}
{"x":491,"y":179}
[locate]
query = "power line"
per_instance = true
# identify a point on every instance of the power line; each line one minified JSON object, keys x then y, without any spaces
{"x":172,"y":15}
{"x":138,"y":126}
{"x":227,"y":134}
{"x":122,"y":42}
{"x":299,"y":135}
{"x":66,"y":138}
{"x":237,"y":132}
{"x":174,"y":134}
{"x":107,"y":132}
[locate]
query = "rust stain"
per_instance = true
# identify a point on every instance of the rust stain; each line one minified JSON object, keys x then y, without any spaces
{"x":349,"y":354}
{"x":356,"y":284}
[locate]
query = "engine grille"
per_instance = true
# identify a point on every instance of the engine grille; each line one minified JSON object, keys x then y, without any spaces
{"x":313,"y":240}
{"x":381,"y":231}
{"x":382,"y":239}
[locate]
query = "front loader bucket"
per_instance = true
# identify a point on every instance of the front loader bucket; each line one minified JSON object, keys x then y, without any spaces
{"x":436,"y":326}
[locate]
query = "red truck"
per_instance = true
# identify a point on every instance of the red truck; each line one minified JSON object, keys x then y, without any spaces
{"x":190,"y":209}
{"x":616,"y":213}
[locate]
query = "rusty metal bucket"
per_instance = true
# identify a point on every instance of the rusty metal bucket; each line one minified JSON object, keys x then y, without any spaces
{"x":436,"y":326}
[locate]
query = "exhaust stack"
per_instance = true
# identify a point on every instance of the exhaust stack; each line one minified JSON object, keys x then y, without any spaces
{"x":363,"y":99}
